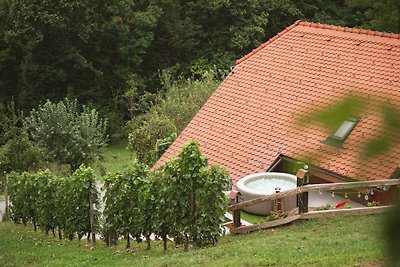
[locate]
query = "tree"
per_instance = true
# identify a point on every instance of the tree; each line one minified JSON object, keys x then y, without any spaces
{"x":88,"y":49}
{"x":67,"y":135}
{"x":195,"y":35}
{"x":384,"y":15}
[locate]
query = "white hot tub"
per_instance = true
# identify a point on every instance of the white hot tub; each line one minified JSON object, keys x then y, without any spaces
{"x":261,"y":184}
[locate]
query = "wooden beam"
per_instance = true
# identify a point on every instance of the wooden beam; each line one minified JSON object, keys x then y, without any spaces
{"x":324,"y":176}
{"x":315,"y":187}
{"x":349,"y":185}
{"x":312,"y":215}
{"x":345,"y":212}
{"x":265,"y":225}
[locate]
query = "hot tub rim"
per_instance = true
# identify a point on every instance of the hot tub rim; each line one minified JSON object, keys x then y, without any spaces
{"x":241,"y":187}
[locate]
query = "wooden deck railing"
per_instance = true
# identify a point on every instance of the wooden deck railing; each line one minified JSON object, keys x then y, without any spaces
{"x":303,"y":212}
{"x":314,"y":187}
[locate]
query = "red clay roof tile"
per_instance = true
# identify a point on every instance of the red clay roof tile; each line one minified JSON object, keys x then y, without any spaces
{"x":249,"y":121}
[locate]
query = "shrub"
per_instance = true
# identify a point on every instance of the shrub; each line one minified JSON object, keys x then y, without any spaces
{"x":17,"y":152}
{"x":55,"y":202}
{"x":148,"y":129}
{"x":191,"y":200}
{"x":125,"y":201}
{"x":172,"y":112}
{"x":20,"y":154}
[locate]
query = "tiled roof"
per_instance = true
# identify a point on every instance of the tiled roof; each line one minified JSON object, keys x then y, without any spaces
{"x":249,"y":121}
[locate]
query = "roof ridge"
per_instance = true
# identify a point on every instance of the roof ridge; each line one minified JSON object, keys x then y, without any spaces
{"x":348,"y":29}
{"x":267,"y":42}
{"x":321,"y":26}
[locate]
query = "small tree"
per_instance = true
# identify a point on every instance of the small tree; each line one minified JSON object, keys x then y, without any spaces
{"x":67,"y":135}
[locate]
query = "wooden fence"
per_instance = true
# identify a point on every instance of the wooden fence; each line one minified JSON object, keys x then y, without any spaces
{"x":302,"y":211}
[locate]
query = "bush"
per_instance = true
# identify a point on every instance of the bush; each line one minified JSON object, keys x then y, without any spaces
{"x":144,"y":136}
{"x":124,"y":203}
{"x":53,"y":202}
{"x":67,"y":135}
{"x":191,"y":201}
{"x":20,"y":154}
{"x":17,"y":152}
{"x":172,"y":112}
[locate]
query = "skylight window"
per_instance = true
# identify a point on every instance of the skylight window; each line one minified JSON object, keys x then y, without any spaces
{"x":341,"y":134}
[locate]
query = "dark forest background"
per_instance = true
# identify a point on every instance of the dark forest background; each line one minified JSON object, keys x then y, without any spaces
{"x":122,"y":57}
{"x":97,"y":50}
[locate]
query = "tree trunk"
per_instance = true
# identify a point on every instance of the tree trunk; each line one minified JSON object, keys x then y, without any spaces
{"x":186,"y":246}
{"x":34,"y":223}
{"x":128,"y":240}
{"x":148,"y":242}
{"x":165,"y":240}
{"x":59,"y":233}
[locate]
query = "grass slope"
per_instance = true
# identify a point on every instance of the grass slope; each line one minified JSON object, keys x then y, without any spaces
{"x":116,"y":156}
{"x":349,"y":241}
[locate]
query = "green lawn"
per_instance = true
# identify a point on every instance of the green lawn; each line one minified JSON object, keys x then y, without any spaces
{"x":349,"y":241}
{"x":251,"y":218}
{"x":116,"y":156}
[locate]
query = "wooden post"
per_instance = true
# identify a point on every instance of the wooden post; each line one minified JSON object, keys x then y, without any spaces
{"x":236,"y":213}
{"x":277,"y":204}
{"x":91,"y":214}
{"x":305,"y":194}
{"x":302,"y":198}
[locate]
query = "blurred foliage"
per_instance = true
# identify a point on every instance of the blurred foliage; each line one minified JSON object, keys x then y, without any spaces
{"x":333,"y":116}
{"x":386,"y":137}
{"x":354,"y":106}
{"x":392,"y":234}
